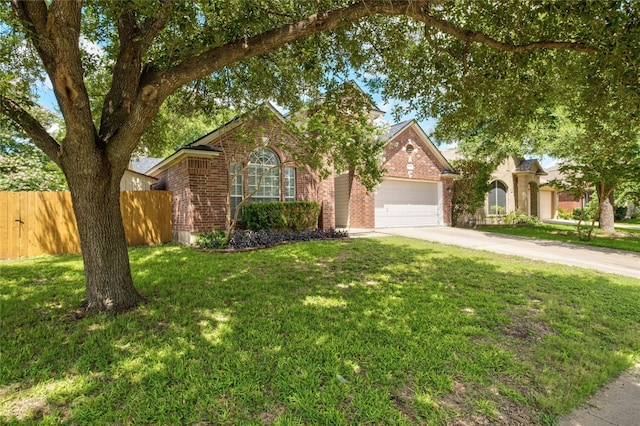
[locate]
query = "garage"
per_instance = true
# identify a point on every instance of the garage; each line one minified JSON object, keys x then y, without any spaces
{"x":546,"y":205}
{"x":407,"y":203}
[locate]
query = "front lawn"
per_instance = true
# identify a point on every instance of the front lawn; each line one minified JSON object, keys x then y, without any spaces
{"x":356,"y":331}
{"x":624,"y":239}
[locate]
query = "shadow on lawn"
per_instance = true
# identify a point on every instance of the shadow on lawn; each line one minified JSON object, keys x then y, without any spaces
{"x":355,"y":331}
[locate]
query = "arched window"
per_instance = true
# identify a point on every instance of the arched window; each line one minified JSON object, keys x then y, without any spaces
{"x":497,"y":198}
{"x":264,"y":175}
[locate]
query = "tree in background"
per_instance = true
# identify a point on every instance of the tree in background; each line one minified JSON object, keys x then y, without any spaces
{"x":23,"y":167}
{"x":473,"y":90}
{"x":593,"y":153}
{"x":469,"y":190}
{"x":464,"y":51}
{"x":341,"y":135}
{"x":629,"y":192}
{"x":182,"y":119}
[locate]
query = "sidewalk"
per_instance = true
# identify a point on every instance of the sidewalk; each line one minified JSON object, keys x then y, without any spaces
{"x":617,"y":403}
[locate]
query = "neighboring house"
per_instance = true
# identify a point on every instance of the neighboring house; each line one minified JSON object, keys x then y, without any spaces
{"x":517,"y":185}
{"x":415,"y":190}
{"x":566,"y":200}
{"x":136,"y":181}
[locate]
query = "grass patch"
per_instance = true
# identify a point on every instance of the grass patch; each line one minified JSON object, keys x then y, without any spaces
{"x":377,"y":331}
{"x":623,"y":239}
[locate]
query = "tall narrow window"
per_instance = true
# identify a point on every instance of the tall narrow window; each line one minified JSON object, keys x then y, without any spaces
{"x":289,"y":184}
{"x":497,"y":198}
{"x":264,"y":175}
{"x":235,"y":176}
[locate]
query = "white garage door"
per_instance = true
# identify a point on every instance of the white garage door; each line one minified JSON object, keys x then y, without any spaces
{"x":546,"y":205}
{"x":407,"y":203}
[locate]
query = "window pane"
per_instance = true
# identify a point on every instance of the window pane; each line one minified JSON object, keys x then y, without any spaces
{"x":264,"y":175}
{"x":497,"y":198}
{"x":289,"y":184}
{"x":235,"y":173}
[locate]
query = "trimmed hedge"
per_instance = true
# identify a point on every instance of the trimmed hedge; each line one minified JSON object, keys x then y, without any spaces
{"x":294,"y":216}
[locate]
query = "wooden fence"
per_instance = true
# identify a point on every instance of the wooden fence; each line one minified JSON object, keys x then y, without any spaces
{"x":36,"y":223}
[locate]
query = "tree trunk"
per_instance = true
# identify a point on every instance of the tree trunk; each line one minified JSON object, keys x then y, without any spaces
{"x":109,"y":285}
{"x":606,"y":216}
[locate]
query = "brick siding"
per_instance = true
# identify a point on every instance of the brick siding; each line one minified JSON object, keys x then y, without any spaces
{"x":419,"y":164}
{"x":200,"y":185}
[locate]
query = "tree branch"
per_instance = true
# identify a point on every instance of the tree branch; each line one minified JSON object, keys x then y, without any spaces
{"x":221,"y":56}
{"x":31,"y":127}
{"x":34,"y":14}
{"x":135,"y":40}
{"x":55,"y":32}
{"x":155,"y":85}
{"x":468,"y":36}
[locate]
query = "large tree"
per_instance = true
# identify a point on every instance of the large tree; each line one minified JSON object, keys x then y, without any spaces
{"x":247,"y":50}
{"x":494,"y":102}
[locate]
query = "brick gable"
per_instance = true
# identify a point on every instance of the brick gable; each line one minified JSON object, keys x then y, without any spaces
{"x":200,"y":186}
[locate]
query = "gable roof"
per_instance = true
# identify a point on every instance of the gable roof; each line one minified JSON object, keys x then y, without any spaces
{"x":530,"y":166}
{"x":200,"y":147}
{"x":523,"y":166}
{"x":235,"y":122}
{"x":203,"y":151}
{"x":374,"y":111}
{"x":398,"y":128}
{"x":143,"y":164}
{"x":374,"y":108}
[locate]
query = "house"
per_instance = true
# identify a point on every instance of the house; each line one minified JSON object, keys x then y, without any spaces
{"x":566,"y":199}
{"x":517,"y":185}
{"x":245,"y":157}
{"x":415,"y":191}
{"x":135,"y":180}
{"x":210,"y":176}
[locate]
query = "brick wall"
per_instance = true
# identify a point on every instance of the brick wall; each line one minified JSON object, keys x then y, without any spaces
{"x":401,"y":162}
{"x":361,"y":207}
{"x":407,"y":156}
{"x":567,"y":201}
{"x":200,"y":185}
{"x":446,"y":200}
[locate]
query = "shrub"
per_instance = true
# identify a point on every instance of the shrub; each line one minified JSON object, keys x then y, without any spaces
{"x":620,"y":213}
{"x":515,"y":218}
{"x":213,"y":240}
{"x":244,"y":239}
{"x":588,"y":213}
{"x":293,"y":216}
{"x":564,"y":213}
{"x":499,"y":210}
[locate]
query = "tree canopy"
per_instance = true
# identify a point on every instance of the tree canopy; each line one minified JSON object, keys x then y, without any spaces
{"x":113,"y":64}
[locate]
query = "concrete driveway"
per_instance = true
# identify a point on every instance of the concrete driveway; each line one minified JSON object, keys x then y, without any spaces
{"x":601,"y":259}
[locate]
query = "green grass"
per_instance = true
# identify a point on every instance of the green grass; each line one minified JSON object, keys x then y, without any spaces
{"x":635,"y":221}
{"x":624,"y":239}
{"x":361,"y":331}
